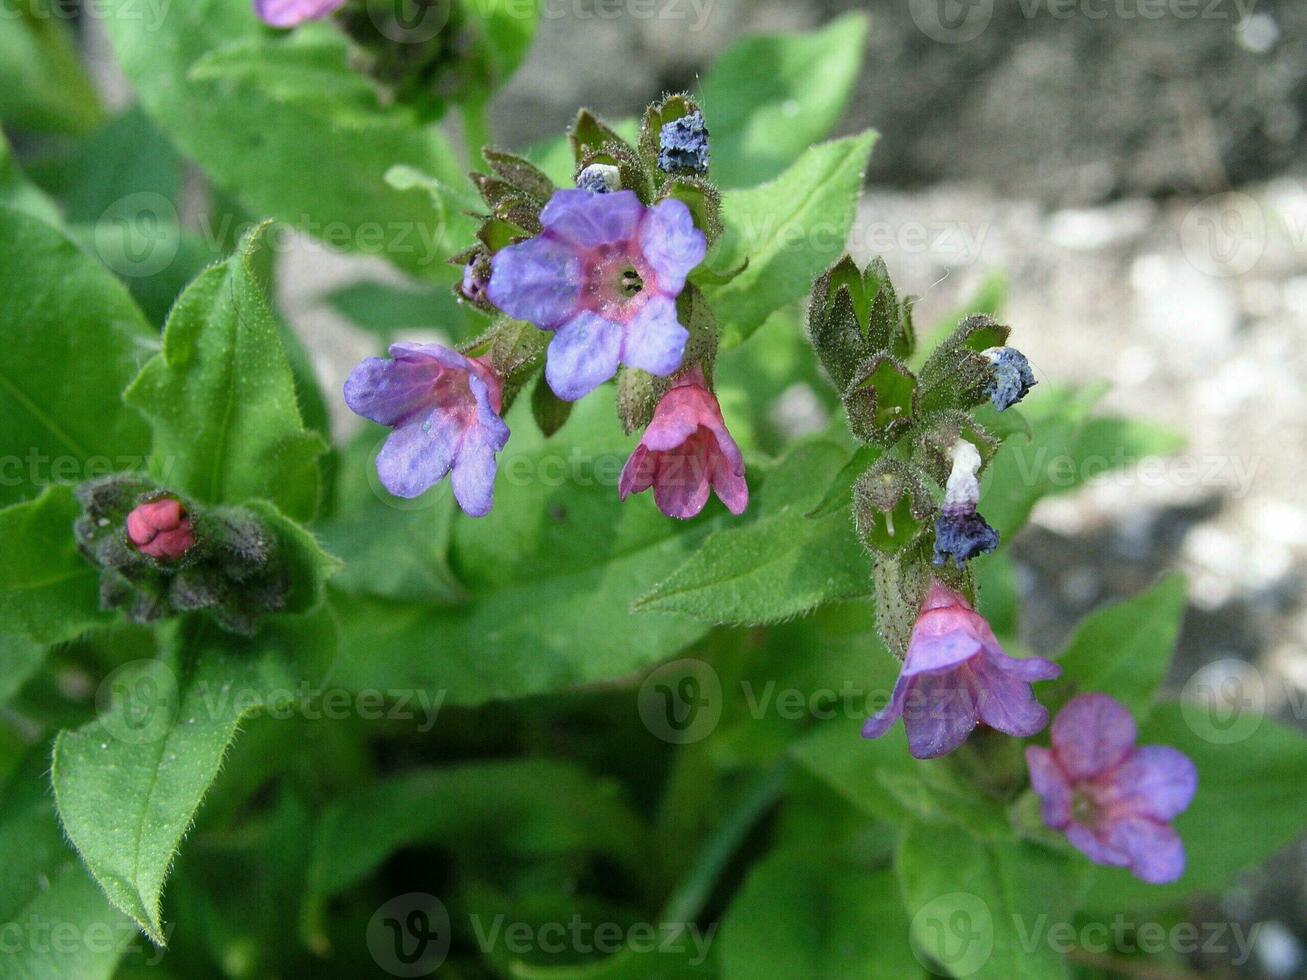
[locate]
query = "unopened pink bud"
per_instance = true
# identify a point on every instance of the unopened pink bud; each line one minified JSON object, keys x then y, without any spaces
{"x":161,"y":529}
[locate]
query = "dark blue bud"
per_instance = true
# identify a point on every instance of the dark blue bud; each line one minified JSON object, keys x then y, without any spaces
{"x":962,"y":535}
{"x":1012,"y":377}
{"x":683,"y":145}
{"x":599,"y":178}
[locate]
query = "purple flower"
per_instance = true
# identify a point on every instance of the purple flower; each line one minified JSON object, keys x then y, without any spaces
{"x":955,"y":676}
{"x":685,"y":451}
{"x":289,"y":13}
{"x":444,"y":410}
{"x":1113,"y":801}
{"x":604,"y":274}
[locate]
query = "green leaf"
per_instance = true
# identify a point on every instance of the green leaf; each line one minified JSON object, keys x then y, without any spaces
{"x":1125,"y":649}
{"x":769,"y":98}
{"x":552,"y":573}
{"x":222,"y":399}
{"x":393,"y":548}
{"x":128,"y":784}
{"x":789,"y":229}
{"x":1249,"y":768}
{"x":386,"y":310}
{"x":48,"y":591}
{"x":17,"y":192}
{"x":782,"y":564}
{"x":982,"y":908}
{"x":527,"y":808}
{"x":798,"y":915}
{"x":20,"y":658}
{"x":46,"y":89}
{"x":45,"y":892}
{"x":259,"y":130}
{"x":73,"y":339}
{"x":883,"y":780}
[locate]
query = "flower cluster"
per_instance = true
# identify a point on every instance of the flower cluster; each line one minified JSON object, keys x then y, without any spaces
{"x":593,"y":283}
{"x":1113,"y":801}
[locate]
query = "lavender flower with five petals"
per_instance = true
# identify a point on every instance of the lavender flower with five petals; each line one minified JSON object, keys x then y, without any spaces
{"x":955,"y":676}
{"x":444,"y":410}
{"x":604,"y":275}
{"x":290,"y":13}
{"x":1113,"y":801}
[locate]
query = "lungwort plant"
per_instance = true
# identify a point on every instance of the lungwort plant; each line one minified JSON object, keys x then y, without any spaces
{"x":489,"y":684}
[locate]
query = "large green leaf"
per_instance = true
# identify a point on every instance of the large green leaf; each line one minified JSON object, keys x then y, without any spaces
{"x":788,"y":230}
{"x":553,"y":571}
{"x":48,"y":591}
{"x":769,"y":98}
{"x":222,"y":398}
{"x":783,"y":563}
{"x":128,"y":784}
{"x":798,"y":915}
{"x":73,"y":340}
{"x":19,"y":193}
{"x":1250,"y":768}
{"x":46,"y":88}
{"x":54,"y":921}
{"x":1125,"y":649}
{"x":982,"y":909}
{"x":20,"y":658}
{"x":310,"y":152}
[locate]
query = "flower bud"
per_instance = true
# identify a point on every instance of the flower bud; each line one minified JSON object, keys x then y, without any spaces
{"x":1012,"y":378}
{"x":683,"y":145}
{"x":599,"y":178}
{"x":161,"y":529}
{"x":960,"y":533}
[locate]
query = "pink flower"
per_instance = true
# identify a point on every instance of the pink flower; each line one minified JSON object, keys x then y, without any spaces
{"x":1113,"y":801}
{"x":685,"y":451}
{"x":161,"y":529}
{"x":289,"y":13}
{"x":955,"y":676}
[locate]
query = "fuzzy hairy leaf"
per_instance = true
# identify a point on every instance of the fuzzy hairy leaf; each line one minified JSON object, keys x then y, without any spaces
{"x":783,"y":563}
{"x":789,"y":229}
{"x":769,"y":98}
{"x":128,"y":784}
{"x":221,"y":398}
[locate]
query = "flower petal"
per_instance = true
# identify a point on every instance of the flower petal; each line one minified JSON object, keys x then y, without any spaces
{"x":681,"y":485}
{"x":392,"y":390}
{"x":728,"y":478}
{"x":942,"y":639}
{"x":288,"y":13}
{"x":1006,"y":703}
{"x":655,"y":339}
{"x":1155,"y":850}
{"x":672,"y":245}
{"x":1156,"y":781}
{"x":1097,"y":850}
{"x":417,"y":456}
{"x":538,"y":281}
{"x":638,"y":473}
{"x":584,"y":220}
{"x":474,"y":477}
{"x":582,"y":356}
{"x":1048,"y":780}
{"x":1091,"y":735}
{"x":879,"y":723}
{"x":940,"y":713}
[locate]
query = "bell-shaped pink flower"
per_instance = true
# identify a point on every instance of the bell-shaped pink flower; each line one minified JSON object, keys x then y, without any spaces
{"x":1113,"y":801}
{"x":686,"y":452}
{"x":955,"y":676}
{"x":289,"y":13}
